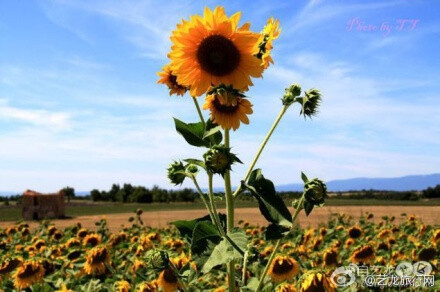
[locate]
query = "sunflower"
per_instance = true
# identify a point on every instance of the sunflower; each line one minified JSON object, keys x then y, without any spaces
{"x":170,"y":80}
{"x":64,"y":288}
{"x":228,"y":107}
{"x":384,"y":233}
{"x":283,"y":268}
{"x":330,"y":257}
{"x":316,"y":281}
{"x":286,"y":288}
{"x":354,"y":232}
{"x":212,"y":50}
{"x":168,"y":280}
{"x":9,"y":265}
{"x":436,"y":237}
{"x":427,"y":254}
{"x":29,"y":273}
{"x":154,"y":236}
{"x":96,"y":261}
{"x":92,"y":239}
{"x":72,"y":242}
{"x":266,"y":251}
{"x":138,"y":264}
{"x":264,"y":45}
{"x":82,"y":233}
{"x":363,"y":254}
{"x":122,"y":286}
{"x":148,"y":286}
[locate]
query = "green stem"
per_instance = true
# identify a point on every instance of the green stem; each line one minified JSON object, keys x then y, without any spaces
{"x":277,"y":245}
{"x":245,"y":264}
{"x":199,"y":111}
{"x":179,"y":280}
{"x":230,"y":216}
{"x":263,"y":144}
{"x":199,"y":190}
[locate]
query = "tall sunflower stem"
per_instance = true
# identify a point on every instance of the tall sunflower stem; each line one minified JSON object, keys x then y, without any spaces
{"x":277,"y":245}
{"x":230,"y":217}
{"x":179,"y":280}
{"x":245,"y":264}
{"x":199,"y":111}
{"x":213,"y":207}
{"x":263,"y":144}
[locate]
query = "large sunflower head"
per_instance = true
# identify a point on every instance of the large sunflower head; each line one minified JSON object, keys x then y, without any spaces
{"x":28,"y":274}
{"x":169,"y":79}
{"x":211,"y":49}
{"x":96,"y":261}
{"x":264,"y":45}
{"x":316,"y":281}
{"x":283,"y":268}
{"x":228,"y":107}
{"x":330,"y":257}
{"x":9,"y":265}
{"x":354,"y":232}
{"x":168,"y":280}
{"x":363,"y":254}
{"x":92,"y":239}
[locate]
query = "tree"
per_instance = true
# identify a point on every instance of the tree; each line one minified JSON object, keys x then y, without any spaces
{"x":432,"y":192}
{"x":96,"y":195}
{"x":69,"y":193}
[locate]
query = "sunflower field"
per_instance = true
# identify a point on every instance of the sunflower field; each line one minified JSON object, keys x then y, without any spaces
{"x":139,"y":258}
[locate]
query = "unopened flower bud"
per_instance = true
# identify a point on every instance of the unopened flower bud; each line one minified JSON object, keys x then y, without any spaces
{"x":158,"y":259}
{"x":310,"y":102}
{"x":176,"y":173}
{"x":290,"y":94}
{"x":139,"y":212}
{"x":219,"y":159}
{"x":315,"y":191}
{"x":192,"y":169}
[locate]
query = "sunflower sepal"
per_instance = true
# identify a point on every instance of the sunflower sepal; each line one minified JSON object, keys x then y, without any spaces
{"x":290,"y":95}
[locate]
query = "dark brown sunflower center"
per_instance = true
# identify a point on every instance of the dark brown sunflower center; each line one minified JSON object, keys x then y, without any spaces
{"x":365,"y":253}
{"x":228,"y":109}
{"x":354,"y":233}
{"x":331,"y":258}
{"x":282,"y":267}
{"x":99,"y":257}
{"x":92,"y":241}
{"x":218,"y":55}
{"x":427,"y":254}
{"x":29,"y":271}
{"x":169,"y":276}
{"x":74,"y":255}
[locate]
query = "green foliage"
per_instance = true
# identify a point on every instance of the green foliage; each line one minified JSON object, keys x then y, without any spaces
{"x":197,"y":135}
{"x":432,"y":192}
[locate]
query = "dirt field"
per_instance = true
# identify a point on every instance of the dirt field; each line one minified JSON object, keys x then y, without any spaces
{"x":429,"y":215}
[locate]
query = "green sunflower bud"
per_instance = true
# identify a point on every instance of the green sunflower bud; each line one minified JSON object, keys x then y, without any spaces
{"x":310,"y":103}
{"x":291,"y":93}
{"x":219,"y":159}
{"x":176,"y":173}
{"x":192,"y":169}
{"x":158,"y":259}
{"x":315,"y":191}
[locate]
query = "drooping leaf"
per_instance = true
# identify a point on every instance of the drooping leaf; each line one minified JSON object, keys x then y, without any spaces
{"x":271,"y":205}
{"x":213,"y":133}
{"x":224,"y":252}
{"x":204,"y":231}
{"x":186,"y":227}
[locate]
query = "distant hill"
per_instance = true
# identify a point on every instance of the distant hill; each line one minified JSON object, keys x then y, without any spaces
{"x":404,"y":183}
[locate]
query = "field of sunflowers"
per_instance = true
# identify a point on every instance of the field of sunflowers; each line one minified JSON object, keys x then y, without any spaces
{"x":140,"y":258}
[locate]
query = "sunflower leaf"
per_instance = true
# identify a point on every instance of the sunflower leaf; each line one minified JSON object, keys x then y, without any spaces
{"x":192,"y":133}
{"x":203,"y":231}
{"x":213,"y":133}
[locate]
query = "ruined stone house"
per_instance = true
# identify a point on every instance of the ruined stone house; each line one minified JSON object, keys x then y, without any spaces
{"x":38,"y":206}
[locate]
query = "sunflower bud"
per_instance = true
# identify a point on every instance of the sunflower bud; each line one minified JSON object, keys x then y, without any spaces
{"x":291,"y":93}
{"x":176,"y":173}
{"x":158,"y":259}
{"x":139,"y":212}
{"x":192,"y":169}
{"x":310,"y":102}
{"x":219,"y":159}
{"x":315,"y":191}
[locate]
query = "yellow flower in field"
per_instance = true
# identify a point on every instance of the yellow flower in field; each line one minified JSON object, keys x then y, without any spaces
{"x":29,"y":273}
{"x":220,"y":289}
{"x":283,"y":268}
{"x":316,"y":281}
{"x":330,"y":257}
{"x":96,"y":261}
{"x":9,"y":265}
{"x":286,"y":288}
{"x":39,"y":244}
{"x":154,"y":236}
{"x":168,"y":279}
{"x":213,"y":50}
{"x":64,"y":289}
{"x":123,"y":286}
{"x":51,"y":230}
{"x":308,"y":235}
{"x":436,"y":237}
{"x":384,"y":233}
{"x":354,"y":232}
{"x":228,"y":107}
{"x":72,"y":242}
{"x":170,"y":80}
{"x":427,"y":254}
{"x":82,"y":233}
{"x":266,"y":251}
{"x":363,"y":254}
{"x":138,"y":265}
{"x":264,"y":45}
{"x":92,"y":239}
{"x":149,"y":286}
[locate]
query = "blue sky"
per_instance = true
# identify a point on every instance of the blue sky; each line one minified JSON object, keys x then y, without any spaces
{"x":79,"y":103}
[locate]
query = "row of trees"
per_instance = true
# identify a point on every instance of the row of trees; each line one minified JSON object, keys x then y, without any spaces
{"x":140,"y":194}
{"x":432,"y":192}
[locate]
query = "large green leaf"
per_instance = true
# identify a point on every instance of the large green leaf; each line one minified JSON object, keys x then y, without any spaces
{"x":186,"y":227}
{"x":213,"y":133}
{"x":274,"y":231}
{"x":224,"y":252}
{"x":204,"y":231}
{"x":271,"y":205}
{"x":192,"y":132}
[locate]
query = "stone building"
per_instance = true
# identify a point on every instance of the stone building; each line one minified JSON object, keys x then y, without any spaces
{"x":38,"y":206}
